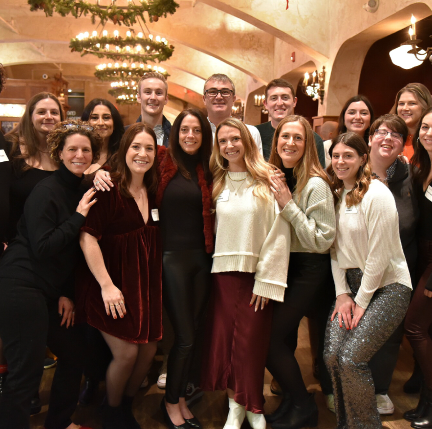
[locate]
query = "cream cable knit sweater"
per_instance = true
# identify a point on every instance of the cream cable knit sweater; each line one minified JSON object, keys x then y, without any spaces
{"x":312,"y":218}
{"x":251,"y":237}
{"x":367,"y":237}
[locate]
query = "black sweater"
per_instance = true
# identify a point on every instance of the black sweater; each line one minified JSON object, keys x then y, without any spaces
{"x":181,"y":212}
{"x":46,"y":249}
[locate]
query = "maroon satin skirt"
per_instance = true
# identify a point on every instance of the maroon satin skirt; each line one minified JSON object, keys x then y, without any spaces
{"x":236,"y":341}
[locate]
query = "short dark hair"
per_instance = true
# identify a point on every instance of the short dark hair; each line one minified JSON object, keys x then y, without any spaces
{"x":342,"y":127}
{"x":57,"y":137}
{"x":220,"y":77}
{"x":394,"y":122}
{"x":206,"y":146}
{"x":282,"y":83}
{"x":118,"y":130}
{"x":121,"y":173}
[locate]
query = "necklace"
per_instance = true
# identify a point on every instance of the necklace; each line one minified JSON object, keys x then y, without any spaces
{"x":240,"y":180}
{"x":232,"y":185}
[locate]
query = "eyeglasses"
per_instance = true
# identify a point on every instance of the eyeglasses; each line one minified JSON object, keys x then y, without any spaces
{"x":213,"y":92}
{"x":382,"y":134}
{"x":78,"y":127}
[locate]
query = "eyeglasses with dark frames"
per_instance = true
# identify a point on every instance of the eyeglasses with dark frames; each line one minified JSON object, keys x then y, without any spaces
{"x":382,"y":134}
{"x":224,"y":92}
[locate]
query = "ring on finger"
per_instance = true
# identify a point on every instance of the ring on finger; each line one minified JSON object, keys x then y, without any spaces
{"x":97,"y":182}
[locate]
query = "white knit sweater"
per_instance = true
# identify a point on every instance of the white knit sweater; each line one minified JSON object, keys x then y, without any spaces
{"x":367,"y":237}
{"x":252,"y":237}
{"x":312,"y":218}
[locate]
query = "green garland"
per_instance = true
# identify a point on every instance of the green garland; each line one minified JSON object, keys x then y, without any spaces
{"x":117,"y":73}
{"x":118,"y":15}
{"x":117,"y":92}
{"x":88,"y":46}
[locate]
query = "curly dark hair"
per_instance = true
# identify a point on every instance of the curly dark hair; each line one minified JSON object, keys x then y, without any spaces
{"x":2,"y":77}
{"x":57,"y":138}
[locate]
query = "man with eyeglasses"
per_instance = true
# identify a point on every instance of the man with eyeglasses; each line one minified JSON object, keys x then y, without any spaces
{"x":280,"y":101}
{"x":219,"y":96}
{"x":153,"y":96}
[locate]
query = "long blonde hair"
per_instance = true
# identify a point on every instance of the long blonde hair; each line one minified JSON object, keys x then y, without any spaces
{"x":308,"y":166}
{"x":255,"y":164}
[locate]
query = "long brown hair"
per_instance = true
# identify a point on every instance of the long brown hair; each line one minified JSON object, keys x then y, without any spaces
{"x":25,"y":134}
{"x":421,"y":157}
{"x":308,"y":166}
{"x":121,"y":173}
{"x":255,"y":164}
{"x":364,"y":173}
{"x":420,"y":92}
{"x":204,"y":151}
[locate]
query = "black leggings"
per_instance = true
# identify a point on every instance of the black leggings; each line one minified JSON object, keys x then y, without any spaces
{"x":308,"y":275}
{"x":29,"y":322}
{"x":186,"y":287}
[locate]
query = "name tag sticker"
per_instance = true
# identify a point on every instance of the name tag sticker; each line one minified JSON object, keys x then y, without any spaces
{"x":351,"y":210}
{"x":224,"y":196}
{"x":155,"y":214}
{"x":3,"y":156}
{"x":428,"y":193}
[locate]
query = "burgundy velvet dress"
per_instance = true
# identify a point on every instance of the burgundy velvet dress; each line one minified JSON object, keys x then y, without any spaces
{"x":132,"y":254}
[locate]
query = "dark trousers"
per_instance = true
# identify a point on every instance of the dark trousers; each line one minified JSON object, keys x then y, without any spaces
{"x":186,"y":289}
{"x":29,"y":322}
{"x":308,"y":275}
{"x":98,"y":354}
{"x":418,"y":321}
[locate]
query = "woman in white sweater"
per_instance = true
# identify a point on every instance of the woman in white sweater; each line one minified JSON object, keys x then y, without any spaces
{"x":250,"y":266}
{"x":306,"y":204}
{"x":373,"y":285}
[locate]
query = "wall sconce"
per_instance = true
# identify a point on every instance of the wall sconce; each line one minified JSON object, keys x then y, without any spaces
{"x":237,"y":111}
{"x":315,"y":88}
{"x":408,"y":54}
{"x":259,"y":100}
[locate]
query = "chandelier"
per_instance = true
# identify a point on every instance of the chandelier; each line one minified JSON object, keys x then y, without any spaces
{"x":114,"y":71}
{"x":408,"y":54}
{"x":117,"y":48}
{"x":315,"y":88}
{"x":128,"y":14}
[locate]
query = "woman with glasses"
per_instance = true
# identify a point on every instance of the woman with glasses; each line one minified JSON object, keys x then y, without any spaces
{"x":410,"y":104}
{"x":36,"y":284}
{"x":386,"y":141}
{"x":419,"y":321}
{"x":373,"y":285}
{"x":120,"y":291}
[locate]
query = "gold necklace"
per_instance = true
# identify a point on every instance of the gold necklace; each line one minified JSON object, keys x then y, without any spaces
{"x":241,"y":184}
{"x":241,"y":180}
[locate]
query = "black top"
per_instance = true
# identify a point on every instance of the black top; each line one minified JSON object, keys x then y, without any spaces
{"x":46,"y":249}
{"x":401,"y":186}
{"x":5,"y":179}
{"x":290,"y":179}
{"x":181,"y":212}
{"x":425,"y":224}
{"x":267,"y":131}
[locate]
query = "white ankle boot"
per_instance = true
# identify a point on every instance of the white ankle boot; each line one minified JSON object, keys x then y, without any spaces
{"x":236,"y":415}
{"x":256,"y":421}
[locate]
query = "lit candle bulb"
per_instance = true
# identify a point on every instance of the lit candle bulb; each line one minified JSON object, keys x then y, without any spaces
{"x":124,"y":65}
{"x":116,"y":65}
{"x":133,"y":65}
{"x":94,"y":34}
{"x":413,"y":26}
{"x":148,"y":47}
{"x":158,"y":38}
{"x":313,"y":77}
{"x":411,"y":32}
{"x":140,"y":35}
{"x":142,"y":66}
{"x":104,"y":33}
{"x":138,"y":48}
{"x":116,"y":33}
{"x":107,"y":47}
{"x":109,"y":65}
{"x":97,"y":45}
{"x":128,"y":48}
{"x":151,"y":36}
{"x":149,"y":66}
{"x":118,"y":48}
{"x":163,"y":39}
{"x":86,"y":34}
{"x":128,"y":33}
{"x":306,"y":78}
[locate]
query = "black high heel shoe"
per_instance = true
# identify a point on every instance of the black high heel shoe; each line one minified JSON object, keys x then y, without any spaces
{"x":194,"y":423}
{"x":167,"y":418}
{"x":281,"y":410}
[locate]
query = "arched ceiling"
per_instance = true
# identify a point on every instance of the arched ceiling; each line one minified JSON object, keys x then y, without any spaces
{"x":249,"y":40}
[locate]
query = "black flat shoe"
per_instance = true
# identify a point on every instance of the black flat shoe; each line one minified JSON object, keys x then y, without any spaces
{"x":299,"y":416}
{"x":167,"y":418}
{"x":194,"y":423}
{"x":35,"y":405}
